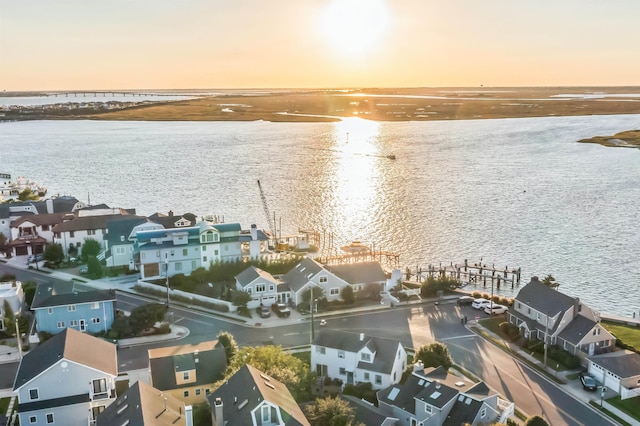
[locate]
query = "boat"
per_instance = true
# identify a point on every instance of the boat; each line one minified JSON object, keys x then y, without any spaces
{"x":11,"y":190}
{"x":391,"y":156}
{"x":356,"y":247}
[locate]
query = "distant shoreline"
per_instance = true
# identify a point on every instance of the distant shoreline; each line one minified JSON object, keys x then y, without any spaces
{"x":626,"y":139}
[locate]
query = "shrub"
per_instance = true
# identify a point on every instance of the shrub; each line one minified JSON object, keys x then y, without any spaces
{"x":510,"y":330}
{"x":476,"y":294}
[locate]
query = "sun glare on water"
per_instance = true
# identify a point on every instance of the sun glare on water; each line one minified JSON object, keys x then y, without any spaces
{"x":355,"y":26}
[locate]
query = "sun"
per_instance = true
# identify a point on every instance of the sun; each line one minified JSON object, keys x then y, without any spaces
{"x":355,"y":26}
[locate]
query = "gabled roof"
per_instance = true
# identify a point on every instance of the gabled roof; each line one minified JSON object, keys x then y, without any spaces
{"x":577,"y":329}
{"x":623,"y":365}
{"x":68,"y":293}
{"x":385,"y":350}
{"x":359,"y":273}
{"x":251,"y":274}
{"x":86,"y":223}
{"x":208,"y":359}
{"x":122,"y":227}
{"x":544,"y":299}
{"x":71,"y":345}
{"x":365,"y":412}
{"x":169,"y":221}
{"x":144,"y":405}
{"x":248,"y":388}
{"x":39,"y":219}
{"x":464,"y":411}
{"x":300,"y":274}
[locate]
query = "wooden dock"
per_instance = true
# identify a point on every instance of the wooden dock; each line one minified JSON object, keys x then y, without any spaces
{"x":468,"y":273}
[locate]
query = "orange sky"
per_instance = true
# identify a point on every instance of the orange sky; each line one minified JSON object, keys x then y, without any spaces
{"x":168,"y":44}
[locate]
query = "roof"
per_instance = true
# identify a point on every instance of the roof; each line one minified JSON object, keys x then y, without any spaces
{"x":39,"y":219}
{"x":577,"y":329}
{"x":142,"y":404}
{"x":208,"y":359}
{"x":248,"y":388}
{"x":623,"y":365}
{"x":464,"y":411}
{"x":365,"y":412}
{"x":86,"y":223}
{"x":385,"y":349}
{"x":71,"y":345}
{"x":227,"y":227}
{"x":544,"y":299}
{"x":122,"y":227}
{"x":169,"y":221}
{"x":359,"y":273}
{"x":68,"y":293}
{"x":251,"y":274}
{"x":300,"y":274}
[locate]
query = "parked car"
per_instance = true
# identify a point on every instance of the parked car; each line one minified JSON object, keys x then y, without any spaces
{"x":84,"y":269}
{"x":35,"y":258}
{"x":588,"y":382}
{"x":263,"y":311}
{"x":479,"y":303}
{"x":281,"y":310}
{"x":465,"y":300}
{"x":495,"y":309}
{"x":323,"y":323}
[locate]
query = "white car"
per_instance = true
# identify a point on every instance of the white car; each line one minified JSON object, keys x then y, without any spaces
{"x":480,"y":303}
{"x":495,"y":309}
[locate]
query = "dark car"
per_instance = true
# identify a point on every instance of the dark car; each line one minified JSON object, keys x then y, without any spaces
{"x":465,"y":300}
{"x":281,"y":310}
{"x":263,"y":311}
{"x":588,"y":382}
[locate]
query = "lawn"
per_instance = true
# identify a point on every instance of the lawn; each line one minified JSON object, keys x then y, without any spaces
{"x":4,"y":404}
{"x":631,"y":406}
{"x":629,"y":335}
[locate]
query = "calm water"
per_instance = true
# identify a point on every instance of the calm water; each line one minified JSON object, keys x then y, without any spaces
{"x":516,"y":192}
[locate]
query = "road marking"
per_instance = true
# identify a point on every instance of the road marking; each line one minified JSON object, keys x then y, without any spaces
{"x":458,"y":337}
{"x":291,"y":334}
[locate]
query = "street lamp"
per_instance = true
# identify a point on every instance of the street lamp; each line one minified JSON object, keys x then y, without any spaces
{"x":166,"y":268}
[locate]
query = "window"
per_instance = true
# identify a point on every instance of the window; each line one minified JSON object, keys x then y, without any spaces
{"x":72,"y":234}
{"x":320,"y":350}
{"x":378,"y":379}
{"x":100,"y":386}
{"x":33,"y":393}
{"x":178,"y":266}
{"x":519,"y":305}
{"x":78,"y":245}
{"x":121,"y":238}
{"x":33,"y":419}
{"x":185,"y":252}
{"x":323,"y":280}
{"x":204,"y":248}
{"x":215,"y":252}
{"x":95,"y":320}
{"x":91,"y":232}
{"x":395,"y":375}
{"x":198,"y":392}
{"x":207,"y":391}
{"x":266,"y":414}
{"x":194,"y":264}
{"x":340,"y":354}
{"x":204,"y":258}
{"x":483,"y":413}
{"x":342,"y":371}
{"x":334,"y":291}
{"x":97,"y":410}
{"x":365,"y":357}
{"x":185,"y":375}
{"x":60,"y":324}
{"x":172,"y":253}
{"x":185,"y":394}
{"x":50,"y":310}
{"x":596,"y":331}
{"x":428,"y":409}
{"x":271,"y":287}
{"x":120,"y":250}
{"x":367,"y":376}
{"x":95,"y":305}
{"x":142,"y":255}
{"x":260,"y":288}
{"x":71,"y":308}
{"x":73,"y":323}
{"x":44,"y":227}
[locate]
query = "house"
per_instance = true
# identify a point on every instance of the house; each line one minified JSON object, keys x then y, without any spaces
{"x":618,"y":371}
{"x":331,"y":279}
{"x":358,"y":358}
{"x":119,"y":240}
{"x":11,"y":293}
{"x":31,"y":233}
{"x":70,"y":305}
{"x":67,"y":380}
{"x":368,"y":414}
{"x":195,"y":370}
{"x":250,"y":397}
{"x":13,"y":211}
{"x":546,"y":314}
{"x":174,"y":221}
{"x":432,"y":397}
{"x":261,"y":285}
{"x":144,"y":405}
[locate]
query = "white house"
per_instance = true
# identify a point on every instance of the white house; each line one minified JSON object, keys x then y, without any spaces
{"x":12,"y":293}
{"x":31,"y":233}
{"x":618,"y":371}
{"x":67,"y":380}
{"x":261,"y":285}
{"x":358,"y":358}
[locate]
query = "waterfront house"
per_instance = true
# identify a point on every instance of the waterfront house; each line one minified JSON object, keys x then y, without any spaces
{"x":357,"y":358}
{"x":543,"y":313}
{"x":618,"y":371}
{"x":250,"y":397}
{"x":11,"y":293}
{"x":144,"y":405}
{"x":174,"y":221}
{"x":261,"y":285}
{"x":432,"y":397}
{"x":119,"y":241}
{"x":187,"y":372}
{"x":366,"y":413}
{"x":67,"y":380}
{"x":361,"y":274}
{"x":31,"y":233}
{"x":70,"y":305}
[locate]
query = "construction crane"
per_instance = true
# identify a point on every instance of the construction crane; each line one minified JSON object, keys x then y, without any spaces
{"x":270,"y":222}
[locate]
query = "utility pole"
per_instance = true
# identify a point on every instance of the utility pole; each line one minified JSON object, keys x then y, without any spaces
{"x":311,"y":306}
{"x":18,"y":338}
{"x":546,"y":335}
{"x":166,"y":263}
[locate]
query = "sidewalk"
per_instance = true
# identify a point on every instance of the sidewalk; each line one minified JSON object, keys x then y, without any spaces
{"x":570,"y":386}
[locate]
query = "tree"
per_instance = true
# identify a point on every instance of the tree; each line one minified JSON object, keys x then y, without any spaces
{"x":90,"y":248}
{"x":94,"y":267}
{"x":347,"y":295}
{"x":145,"y":316}
{"x":29,"y":289}
{"x":3,"y":244}
{"x":229,"y":344}
{"x":8,"y":318}
{"x":432,"y":285}
{"x":53,"y":253}
{"x":549,"y":281}
{"x":434,"y":355}
{"x":318,"y":294}
{"x":273,"y":361}
{"x":536,"y":421}
{"x":240,"y":298}
{"x":330,"y":411}
{"x":202,"y":414}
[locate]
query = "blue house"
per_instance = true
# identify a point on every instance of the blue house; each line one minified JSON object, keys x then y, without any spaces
{"x":70,"y":305}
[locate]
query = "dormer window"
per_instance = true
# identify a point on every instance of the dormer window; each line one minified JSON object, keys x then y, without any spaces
{"x":364,"y":356}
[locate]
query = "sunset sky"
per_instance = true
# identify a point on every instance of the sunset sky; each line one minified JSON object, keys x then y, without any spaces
{"x":171,"y":44}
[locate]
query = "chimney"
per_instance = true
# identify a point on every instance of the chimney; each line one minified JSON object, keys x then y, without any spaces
{"x":577,"y":306}
{"x":418,"y":367}
{"x":218,"y":417}
{"x":49,"y":203}
{"x":170,"y":213}
{"x":361,"y":337}
{"x":254,"y":232}
{"x":437,"y":384}
{"x":188,"y":415}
